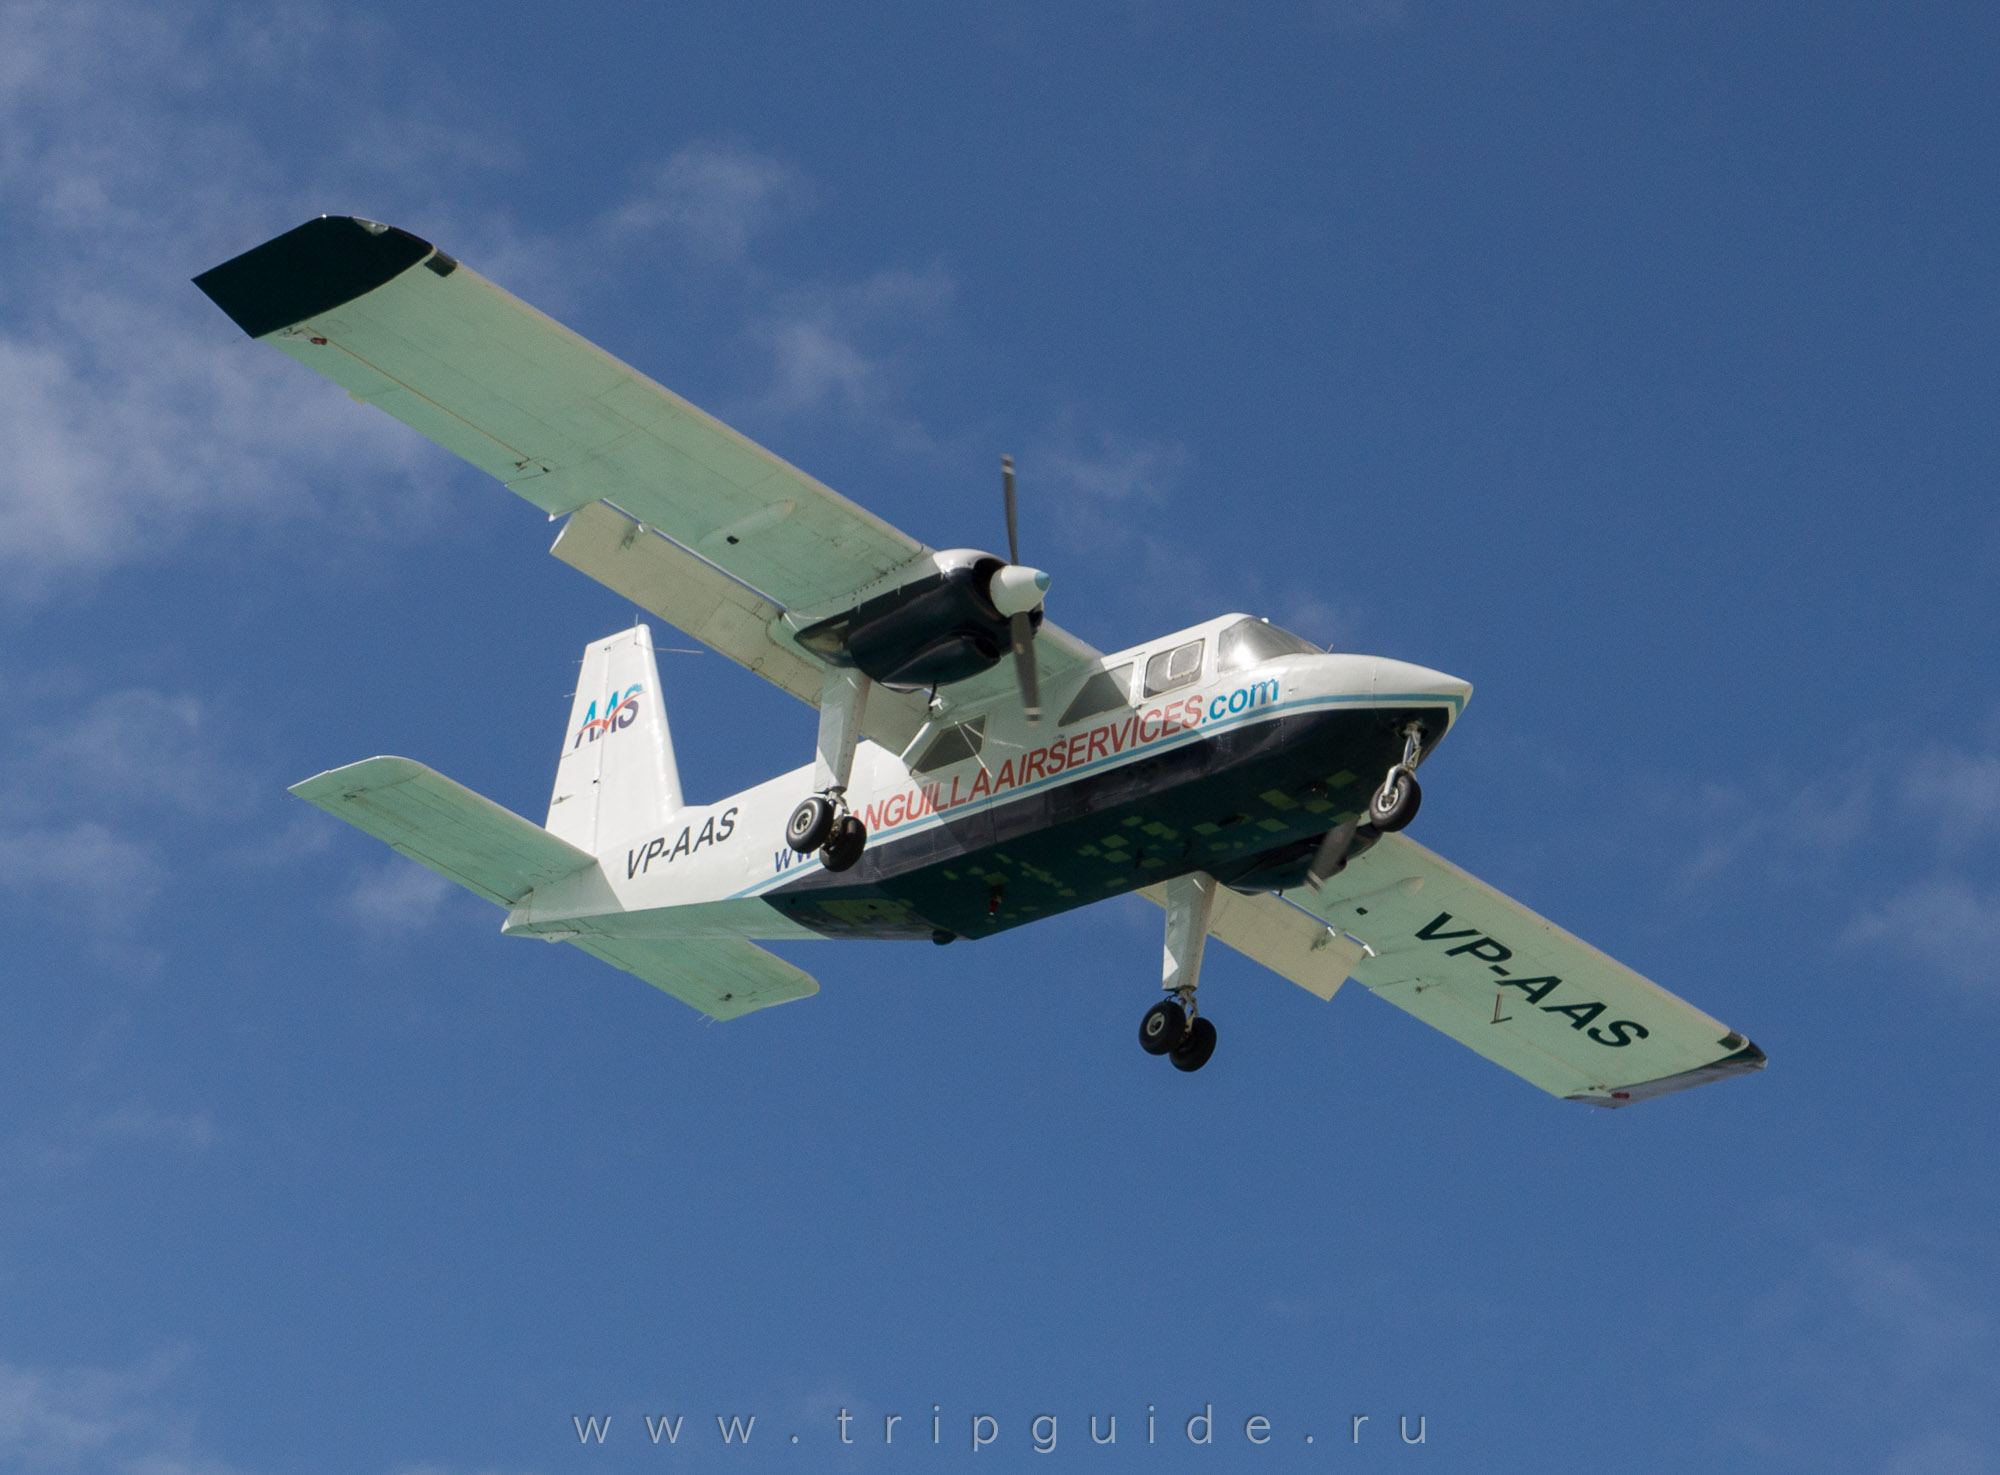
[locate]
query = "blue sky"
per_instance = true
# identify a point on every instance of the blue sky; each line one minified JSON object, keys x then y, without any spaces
{"x":1634,"y":363}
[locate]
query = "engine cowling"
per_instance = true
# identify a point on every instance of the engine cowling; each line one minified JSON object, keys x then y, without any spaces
{"x":940,"y":627}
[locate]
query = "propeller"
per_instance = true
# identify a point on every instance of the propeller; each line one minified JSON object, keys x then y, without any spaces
{"x":1331,"y":858}
{"x":1016,"y":591}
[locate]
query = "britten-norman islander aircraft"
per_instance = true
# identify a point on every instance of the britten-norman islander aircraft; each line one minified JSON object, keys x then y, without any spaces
{"x":977,"y":767}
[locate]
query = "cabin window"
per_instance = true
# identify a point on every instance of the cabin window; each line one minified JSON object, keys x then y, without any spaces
{"x":1103,"y":692}
{"x":960,"y":741}
{"x":1178,"y":667}
{"x":1250,"y":643}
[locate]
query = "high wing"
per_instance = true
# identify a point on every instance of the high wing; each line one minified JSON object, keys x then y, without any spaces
{"x":1468,"y":960}
{"x":402,"y":326}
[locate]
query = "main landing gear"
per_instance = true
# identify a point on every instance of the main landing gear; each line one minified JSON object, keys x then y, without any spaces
{"x":1168,"y":1030}
{"x":1174,"y":1027}
{"x":822,"y":822}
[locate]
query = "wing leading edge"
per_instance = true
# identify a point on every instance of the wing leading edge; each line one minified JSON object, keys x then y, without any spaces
{"x":406,"y":328}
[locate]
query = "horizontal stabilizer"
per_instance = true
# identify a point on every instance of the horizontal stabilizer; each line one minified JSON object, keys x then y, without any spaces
{"x":1494,"y":975}
{"x":724,"y":977}
{"x":463,"y":836}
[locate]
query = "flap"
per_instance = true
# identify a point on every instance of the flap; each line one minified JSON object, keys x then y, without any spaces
{"x":1292,"y":943}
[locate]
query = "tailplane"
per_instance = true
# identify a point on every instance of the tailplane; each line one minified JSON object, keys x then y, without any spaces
{"x":617,"y":773}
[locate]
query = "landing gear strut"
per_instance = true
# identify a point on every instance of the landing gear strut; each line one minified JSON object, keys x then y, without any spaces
{"x":822,"y":822}
{"x":1390,"y":808}
{"x":1174,"y":1027}
{"x":1394,"y":805}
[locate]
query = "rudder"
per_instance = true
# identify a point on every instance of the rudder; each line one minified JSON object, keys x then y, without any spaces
{"x":617,"y":773}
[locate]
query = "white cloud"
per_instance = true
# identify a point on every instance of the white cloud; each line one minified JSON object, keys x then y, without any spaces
{"x":1959,"y":791}
{"x":1108,"y":468}
{"x":1868,"y":1349}
{"x":399,"y":896}
{"x":842,"y":350}
{"x":89,"y":1419}
{"x":134,"y":413}
{"x":133,"y":745}
{"x":711,"y":199}
{"x":86,"y":863}
{"x":1946,"y":922}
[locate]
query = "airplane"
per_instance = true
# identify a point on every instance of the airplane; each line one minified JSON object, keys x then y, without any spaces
{"x":1253,"y":785}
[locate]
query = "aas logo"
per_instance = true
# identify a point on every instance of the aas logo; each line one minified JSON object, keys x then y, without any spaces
{"x":621,"y":710}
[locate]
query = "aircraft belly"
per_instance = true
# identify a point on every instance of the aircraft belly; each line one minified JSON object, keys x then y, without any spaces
{"x":1226,"y":804}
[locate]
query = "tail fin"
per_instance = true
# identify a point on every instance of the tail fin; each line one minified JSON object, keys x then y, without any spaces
{"x":617,"y":773}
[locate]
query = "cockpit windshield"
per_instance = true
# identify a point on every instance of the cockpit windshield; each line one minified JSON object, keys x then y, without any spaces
{"x":1249,"y":643}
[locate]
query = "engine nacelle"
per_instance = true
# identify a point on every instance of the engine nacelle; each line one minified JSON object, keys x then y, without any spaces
{"x":940,"y":627}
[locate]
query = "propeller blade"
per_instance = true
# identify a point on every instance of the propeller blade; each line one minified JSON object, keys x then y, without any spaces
{"x":1331,"y":857}
{"x":1013,"y":538}
{"x":1022,"y":627}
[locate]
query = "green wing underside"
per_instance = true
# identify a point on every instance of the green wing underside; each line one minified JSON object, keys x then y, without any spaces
{"x":561,"y":422}
{"x":1476,"y":964}
{"x":439,"y":823}
{"x":408,"y":329}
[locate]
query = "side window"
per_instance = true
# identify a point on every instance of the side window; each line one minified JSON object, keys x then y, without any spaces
{"x":955,"y":744}
{"x":1180,"y":666}
{"x":1104,"y":691}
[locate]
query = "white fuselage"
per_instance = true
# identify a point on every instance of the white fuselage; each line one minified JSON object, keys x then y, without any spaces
{"x":704,"y":872}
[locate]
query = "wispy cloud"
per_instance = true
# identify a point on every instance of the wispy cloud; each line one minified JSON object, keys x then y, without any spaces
{"x":95,"y":1419}
{"x":1870,"y":1347}
{"x":132,"y":413}
{"x":1947,"y":922}
{"x":80,"y":798}
{"x":841,"y":350}
{"x":711,"y":199}
{"x":399,"y":895}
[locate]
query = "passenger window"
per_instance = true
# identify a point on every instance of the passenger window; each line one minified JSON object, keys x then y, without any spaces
{"x":1180,"y":666}
{"x":955,"y":744}
{"x":1103,"y":692}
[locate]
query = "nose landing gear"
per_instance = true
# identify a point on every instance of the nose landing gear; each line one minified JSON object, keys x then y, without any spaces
{"x":1390,"y":808}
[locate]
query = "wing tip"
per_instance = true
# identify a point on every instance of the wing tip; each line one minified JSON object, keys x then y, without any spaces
{"x":1743,"y":1059}
{"x":312,"y":268}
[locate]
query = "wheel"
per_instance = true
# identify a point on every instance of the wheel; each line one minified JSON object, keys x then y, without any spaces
{"x":1163,"y":1028}
{"x":810,"y":825}
{"x":1192,"y":1053}
{"x":844,"y":848}
{"x":1395,"y":803}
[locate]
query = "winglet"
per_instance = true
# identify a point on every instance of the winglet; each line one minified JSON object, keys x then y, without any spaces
{"x":310,"y":270}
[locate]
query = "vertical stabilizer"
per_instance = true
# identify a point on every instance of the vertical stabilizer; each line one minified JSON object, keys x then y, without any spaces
{"x":617,"y":773}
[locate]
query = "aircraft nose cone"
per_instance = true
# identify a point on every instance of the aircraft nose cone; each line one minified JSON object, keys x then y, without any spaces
{"x":1401,"y":678}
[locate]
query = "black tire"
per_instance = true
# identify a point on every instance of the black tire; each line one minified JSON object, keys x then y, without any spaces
{"x":1163,"y":1028}
{"x":1192,"y":1053}
{"x":810,"y":825}
{"x":844,"y":849}
{"x":1395,"y":804}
